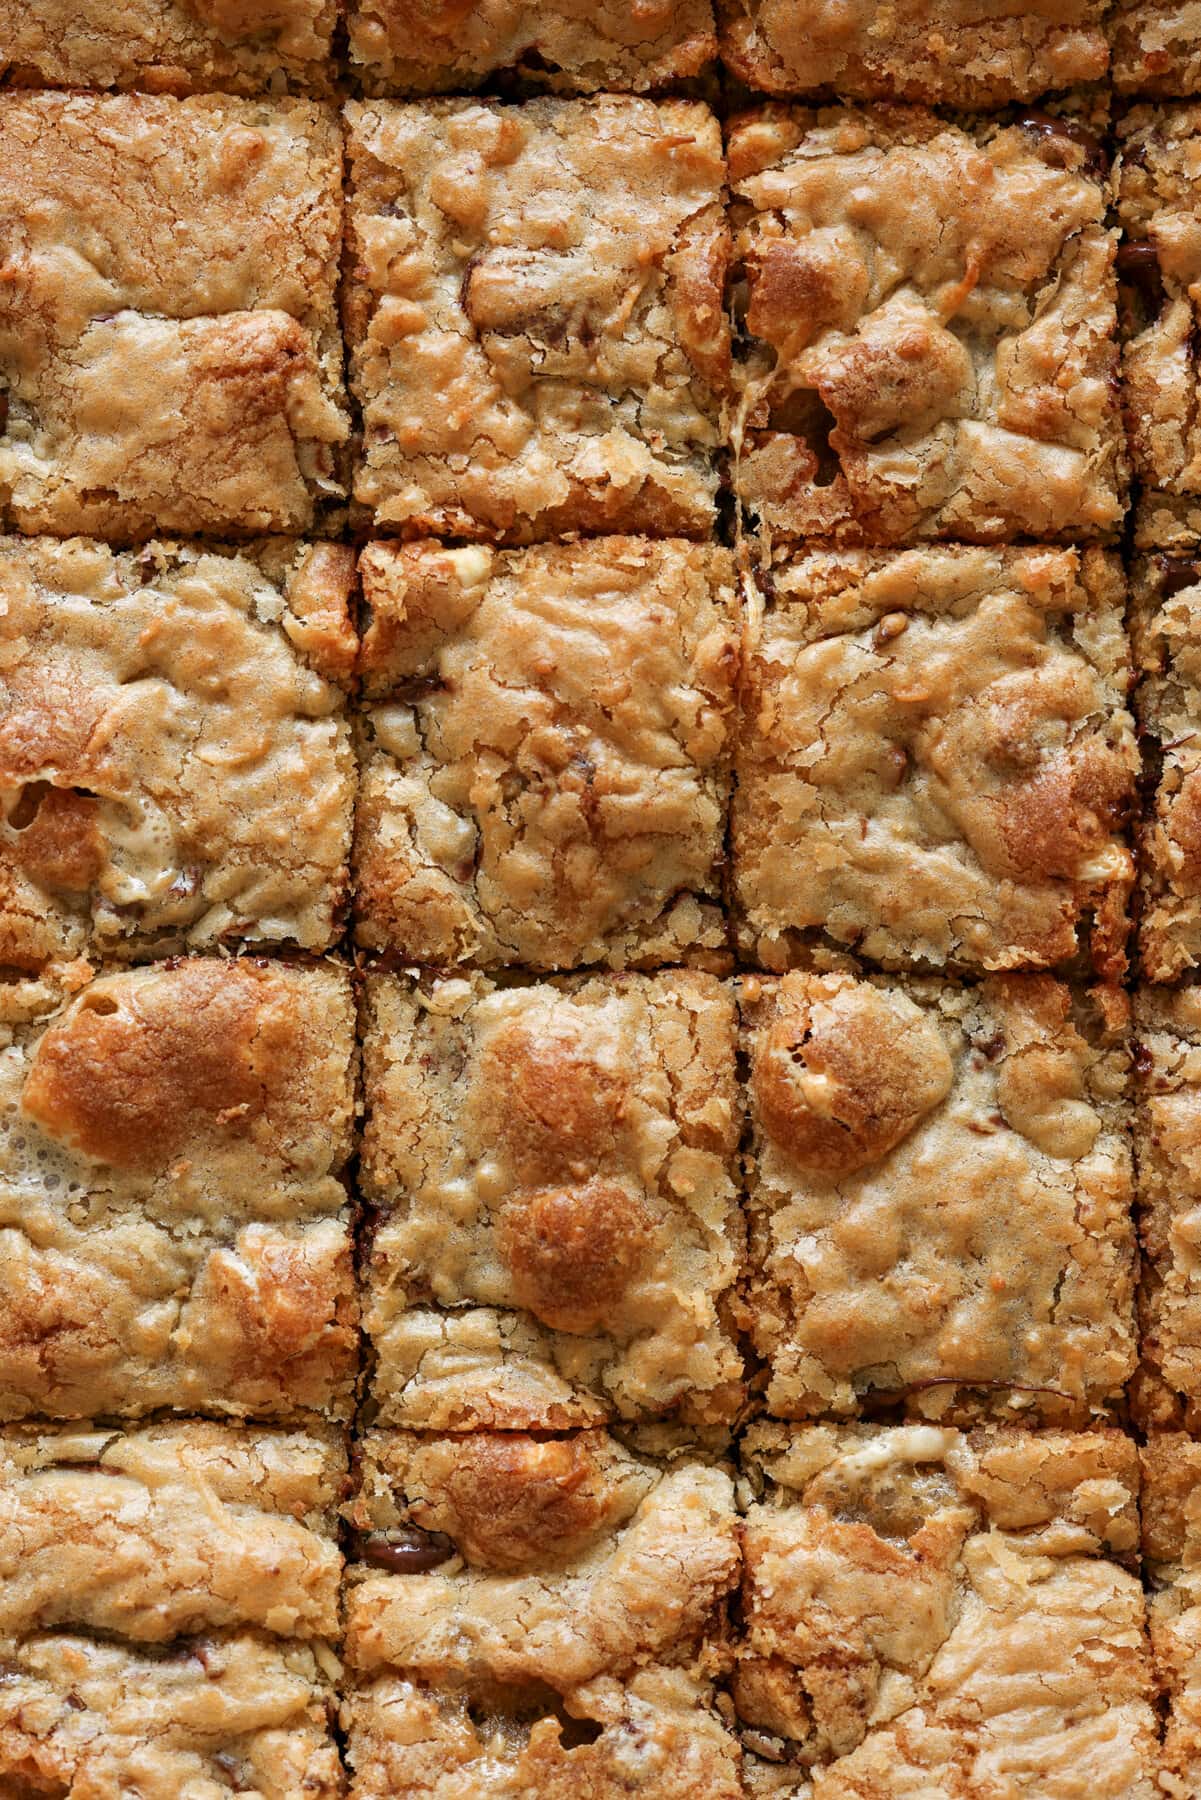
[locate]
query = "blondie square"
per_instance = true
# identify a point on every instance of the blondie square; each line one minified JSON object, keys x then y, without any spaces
{"x":939,"y":1198}
{"x":1165,"y":628}
{"x":164,"y":1594}
{"x":937,"y":1616}
{"x":535,"y":314}
{"x":173,"y":1232}
{"x":551,"y":1170}
{"x":658,"y":1735}
{"x":935,"y":759}
{"x":1171,"y":1510}
{"x":943,"y":52}
{"x":169,"y":46}
{"x":176,"y":769}
{"x":1156,"y":47}
{"x":545,"y":749}
{"x":169,"y":350}
{"x":169,"y":1531}
{"x":537,"y":1615}
{"x":928,"y":327}
{"x":581,"y":46}
{"x":205,"y":1716}
{"x":1168,"y":1088}
{"x":1159,"y":207}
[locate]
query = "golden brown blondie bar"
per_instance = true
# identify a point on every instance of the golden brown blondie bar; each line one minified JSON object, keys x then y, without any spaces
{"x":439,"y":46}
{"x":166,"y":1596}
{"x":534,"y":311}
{"x":1171,"y":1465}
{"x":173,"y":1232}
{"x":552,"y":1170}
{"x":928,"y":327}
{"x":538,"y":1615}
{"x":1165,"y":629}
{"x":546,"y":750}
{"x":169,"y":350}
{"x":939,"y":1196}
{"x":1168,"y":1089}
{"x":1159,"y":206}
{"x":943,"y":52}
{"x":207,"y":1715}
{"x":935,"y":759}
{"x":176,"y":769}
{"x":938,"y":1616}
{"x":169,"y":1531}
{"x":170,"y":46}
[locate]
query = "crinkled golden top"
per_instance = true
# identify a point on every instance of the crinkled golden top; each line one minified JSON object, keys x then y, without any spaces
{"x":547,"y":752}
{"x":192,"y":390}
{"x":175,"y":763}
{"x":170,"y":46}
{"x":430,"y":46}
{"x":954,"y":52}
{"x":887,"y":1117}
{"x":920,"y":1599}
{"x":535,"y":314}
{"x":174,"y":1529}
{"x":237,"y":1714}
{"x":564,"y":1152}
{"x":936,"y":759}
{"x":245,"y":192}
{"x":943,"y":299}
{"x":229,"y":1083}
{"x":565,"y":1559}
{"x":656,"y":1734}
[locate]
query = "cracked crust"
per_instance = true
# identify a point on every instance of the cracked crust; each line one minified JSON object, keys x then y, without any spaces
{"x":169,"y":1531}
{"x":935,"y":1614}
{"x":1159,"y":208}
{"x":946,"y":53}
{"x":1171,"y":1509}
{"x":657,"y":1735}
{"x":552,"y":1173}
{"x":169,"y":46}
{"x":887,"y":1118}
{"x":545,"y":752}
{"x":1165,"y":628}
{"x":199,"y":391}
{"x":572,"y":46}
{"x":534,"y":313}
{"x":1156,"y":47}
{"x":929,"y":328}
{"x":82,"y":1719}
{"x":176,"y":770}
{"x":936,"y":760}
{"x":558,"y":1562}
{"x":1167,"y":1126}
{"x":173,"y":1232}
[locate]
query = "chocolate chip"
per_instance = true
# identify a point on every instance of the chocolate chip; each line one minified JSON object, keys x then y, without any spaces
{"x":1176,"y":573}
{"x":1143,"y":1060}
{"x":1136,"y":254}
{"x":1057,"y":135}
{"x":1138,"y":265}
{"x":408,"y":1551}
